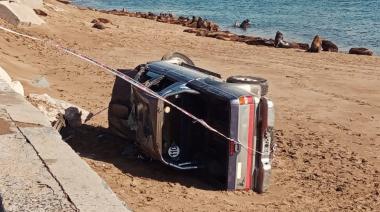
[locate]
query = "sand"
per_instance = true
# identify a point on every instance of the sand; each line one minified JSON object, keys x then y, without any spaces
{"x":327,"y":112}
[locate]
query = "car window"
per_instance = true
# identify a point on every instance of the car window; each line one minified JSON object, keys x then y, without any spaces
{"x":156,"y":82}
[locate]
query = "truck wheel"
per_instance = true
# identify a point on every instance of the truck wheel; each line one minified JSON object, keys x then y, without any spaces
{"x":178,"y":58}
{"x":251,"y":80}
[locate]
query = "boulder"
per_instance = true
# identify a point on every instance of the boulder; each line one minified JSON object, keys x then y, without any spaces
{"x":16,"y":86}
{"x":361,"y":51}
{"x":19,"y":14}
{"x":51,"y":108}
{"x":316,"y":45}
{"x":329,"y":46}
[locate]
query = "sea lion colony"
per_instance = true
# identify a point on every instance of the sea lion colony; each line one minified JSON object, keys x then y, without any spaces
{"x":205,"y":28}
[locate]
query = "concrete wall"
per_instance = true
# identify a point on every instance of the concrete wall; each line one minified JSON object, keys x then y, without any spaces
{"x":19,"y":14}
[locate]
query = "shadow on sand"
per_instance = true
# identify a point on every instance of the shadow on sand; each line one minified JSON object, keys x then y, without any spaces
{"x":1,"y":204}
{"x":98,"y":144}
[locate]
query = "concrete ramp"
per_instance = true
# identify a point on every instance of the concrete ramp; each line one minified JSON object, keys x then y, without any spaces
{"x":35,"y":4}
{"x":19,"y":14}
{"x":38,"y":170}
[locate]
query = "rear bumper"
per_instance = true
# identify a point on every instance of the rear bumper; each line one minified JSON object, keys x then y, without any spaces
{"x":249,"y":165}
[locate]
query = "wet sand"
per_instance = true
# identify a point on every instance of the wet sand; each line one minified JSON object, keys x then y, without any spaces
{"x":327,"y":112}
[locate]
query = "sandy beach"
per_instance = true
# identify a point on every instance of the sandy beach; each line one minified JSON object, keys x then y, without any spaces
{"x":327,"y":112}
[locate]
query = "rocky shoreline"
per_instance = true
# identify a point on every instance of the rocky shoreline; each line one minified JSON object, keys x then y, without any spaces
{"x":205,"y":28}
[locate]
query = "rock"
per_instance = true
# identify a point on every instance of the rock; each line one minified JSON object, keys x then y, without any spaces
{"x":40,"y":12}
{"x":73,"y":117}
{"x":361,"y":51}
{"x":16,"y":86}
{"x":51,"y":108}
{"x":5,"y":76}
{"x":339,"y":188}
{"x":316,"y":45}
{"x":329,"y":46}
{"x":99,"y":25}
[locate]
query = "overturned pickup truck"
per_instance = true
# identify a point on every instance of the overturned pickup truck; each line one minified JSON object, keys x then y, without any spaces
{"x":237,"y":108}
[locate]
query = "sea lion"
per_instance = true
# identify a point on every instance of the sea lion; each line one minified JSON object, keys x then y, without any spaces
{"x":245,"y":24}
{"x":329,"y":46}
{"x":201,"y":23}
{"x":193,"y":22}
{"x":212,"y":26}
{"x":280,"y":43}
{"x":278,"y":39}
{"x":101,"y":20}
{"x":303,"y":46}
{"x":316,"y":45}
{"x":202,"y":32}
{"x":190,"y":30}
{"x":261,"y":42}
{"x":99,"y":25}
{"x":361,"y":51}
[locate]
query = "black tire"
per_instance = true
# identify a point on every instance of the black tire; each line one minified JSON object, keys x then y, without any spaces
{"x":251,"y":80}
{"x":183,"y":58}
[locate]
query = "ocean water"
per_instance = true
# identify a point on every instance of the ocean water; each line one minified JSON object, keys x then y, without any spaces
{"x":348,"y":23}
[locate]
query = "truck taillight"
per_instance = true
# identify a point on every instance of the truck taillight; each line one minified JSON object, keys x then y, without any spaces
{"x":244,"y":100}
